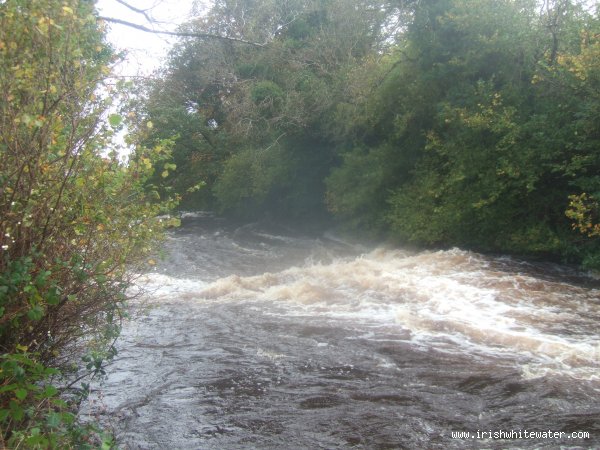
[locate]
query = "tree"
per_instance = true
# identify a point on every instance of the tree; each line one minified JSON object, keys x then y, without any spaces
{"x":475,"y":130}
{"x":153,"y":26}
{"x":260,"y":107}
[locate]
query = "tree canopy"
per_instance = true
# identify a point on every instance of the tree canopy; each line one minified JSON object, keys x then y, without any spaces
{"x":451,"y":122}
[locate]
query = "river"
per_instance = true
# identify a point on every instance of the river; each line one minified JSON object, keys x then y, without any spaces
{"x":256,"y":337}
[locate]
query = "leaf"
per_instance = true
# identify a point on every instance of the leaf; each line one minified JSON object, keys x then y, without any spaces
{"x":8,"y":387}
{"x":21,"y":393}
{"x":115,"y":120}
{"x":51,"y":371}
{"x":16,"y":411}
{"x":35,"y":313}
{"x":164,"y":174}
{"x":59,"y":403}
{"x":52,"y":298}
{"x":146,"y":162}
{"x":49,"y":391}
{"x":53,"y":420}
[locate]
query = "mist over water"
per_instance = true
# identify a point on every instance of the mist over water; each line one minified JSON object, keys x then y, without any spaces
{"x":255,"y":337}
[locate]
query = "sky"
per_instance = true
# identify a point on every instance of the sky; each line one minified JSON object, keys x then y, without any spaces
{"x":145,"y":51}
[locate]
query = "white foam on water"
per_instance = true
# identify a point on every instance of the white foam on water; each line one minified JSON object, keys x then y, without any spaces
{"x":156,"y":286}
{"x":196,"y":214}
{"x":454,"y":296}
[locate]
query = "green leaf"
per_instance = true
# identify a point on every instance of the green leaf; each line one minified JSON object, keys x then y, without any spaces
{"x":16,"y":411}
{"x":53,"y":420}
{"x":49,"y":391}
{"x":36,"y":440}
{"x":115,"y":120}
{"x":21,"y":393}
{"x":51,"y":371}
{"x":35,"y":313}
{"x":59,"y":403}
{"x":8,"y":387}
{"x":68,"y":418}
{"x":52,"y":297}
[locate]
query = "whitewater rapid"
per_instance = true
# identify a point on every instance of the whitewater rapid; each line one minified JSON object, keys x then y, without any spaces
{"x":255,"y":337}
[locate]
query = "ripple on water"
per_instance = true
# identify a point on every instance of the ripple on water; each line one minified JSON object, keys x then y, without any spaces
{"x":251,"y":338}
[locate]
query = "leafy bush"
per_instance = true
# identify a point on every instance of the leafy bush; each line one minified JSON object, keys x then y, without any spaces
{"x":72,"y":217}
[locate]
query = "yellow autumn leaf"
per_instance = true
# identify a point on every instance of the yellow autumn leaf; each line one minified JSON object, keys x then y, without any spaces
{"x":146,"y":162}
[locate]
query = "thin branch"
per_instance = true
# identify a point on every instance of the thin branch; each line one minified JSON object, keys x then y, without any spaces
{"x":274,"y":142}
{"x":143,"y":12}
{"x":178,"y":33}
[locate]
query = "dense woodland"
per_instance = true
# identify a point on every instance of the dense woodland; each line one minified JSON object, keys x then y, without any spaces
{"x":440,"y":123}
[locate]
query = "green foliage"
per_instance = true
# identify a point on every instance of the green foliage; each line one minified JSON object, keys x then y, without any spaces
{"x":584,"y":212}
{"x":73,"y":218}
{"x":491,"y":118}
{"x":454,"y":122}
{"x":36,"y":413}
{"x":266,"y":91}
{"x":248,"y":179}
{"x":236,"y":109}
{"x":276,"y":181}
{"x":358,"y":189}
{"x":268,"y":96}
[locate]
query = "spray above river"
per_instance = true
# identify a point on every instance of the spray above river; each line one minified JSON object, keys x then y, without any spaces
{"x":254,"y":337}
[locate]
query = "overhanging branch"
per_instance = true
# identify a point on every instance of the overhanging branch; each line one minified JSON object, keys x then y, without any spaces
{"x":143,"y":12}
{"x":179,"y":33}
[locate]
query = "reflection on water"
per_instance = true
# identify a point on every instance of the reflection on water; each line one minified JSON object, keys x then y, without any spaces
{"x":253,"y":337}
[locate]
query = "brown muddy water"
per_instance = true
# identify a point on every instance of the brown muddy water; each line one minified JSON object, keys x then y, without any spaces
{"x":254,"y":337}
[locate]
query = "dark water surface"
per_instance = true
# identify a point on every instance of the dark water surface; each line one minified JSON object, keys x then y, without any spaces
{"x":253,"y":337}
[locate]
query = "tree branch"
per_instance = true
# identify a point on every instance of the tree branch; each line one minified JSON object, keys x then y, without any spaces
{"x":178,"y":33}
{"x":143,"y":12}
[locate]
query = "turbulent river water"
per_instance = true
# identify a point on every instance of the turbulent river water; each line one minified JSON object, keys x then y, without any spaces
{"x":256,"y":337}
